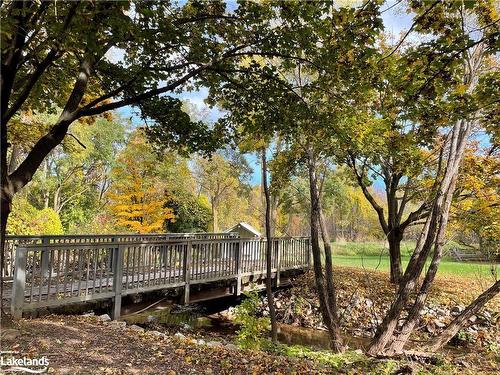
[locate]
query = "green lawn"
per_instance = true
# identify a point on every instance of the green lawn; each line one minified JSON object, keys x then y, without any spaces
{"x":373,"y":255}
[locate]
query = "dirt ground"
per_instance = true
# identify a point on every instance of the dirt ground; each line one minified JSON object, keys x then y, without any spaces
{"x":85,"y":345}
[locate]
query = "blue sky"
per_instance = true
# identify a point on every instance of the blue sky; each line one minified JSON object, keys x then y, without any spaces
{"x":396,"y":22}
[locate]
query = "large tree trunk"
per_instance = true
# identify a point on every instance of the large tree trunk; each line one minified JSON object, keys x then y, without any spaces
{"x":413,"y":318}
{"x":460,"y":321}
{"x":394,"y":238}
{"x":269,"y":249}
{"x":431,"y":235}
{"x":5,"y":208}
{"x":315,"y":221}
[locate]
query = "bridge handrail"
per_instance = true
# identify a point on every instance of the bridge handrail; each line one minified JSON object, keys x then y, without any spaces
{"x":153,"y":242}
{"x":13,"y":240}
{"x":58,"y":273}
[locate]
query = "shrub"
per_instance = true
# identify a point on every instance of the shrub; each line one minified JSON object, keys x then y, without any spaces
{"x":252,"y":327}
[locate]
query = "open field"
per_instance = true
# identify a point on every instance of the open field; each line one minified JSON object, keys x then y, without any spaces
{"x":374,"y":255}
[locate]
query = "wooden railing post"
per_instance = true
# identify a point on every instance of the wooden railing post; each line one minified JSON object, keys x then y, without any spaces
{"x":187,"y":271}
{"x":19,"y":284}
{"x":45,"y":257}
{"x":112,"y":255}
{"x":308,"y":260}
{"x":278,"y":262}
{"x":118,"y":251}
{"x":239,"y":256}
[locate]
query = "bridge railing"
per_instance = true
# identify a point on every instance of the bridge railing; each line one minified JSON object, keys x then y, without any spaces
{"x":12,"y":242}
{"x":77,"y":272}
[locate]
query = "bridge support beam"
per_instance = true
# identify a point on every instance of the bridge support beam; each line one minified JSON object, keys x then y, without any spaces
{"x":19,"y":284}
{"x":278,"y":263}
{"x":239,"y":256}
{"x":45,"y":257}
{"x":117,"y":280}
{"x":187,"y":272}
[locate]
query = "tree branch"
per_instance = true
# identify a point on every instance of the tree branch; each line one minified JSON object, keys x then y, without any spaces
{"x":410,"y":30}
{"x":135,"y":99}
{"x":368,"y":196}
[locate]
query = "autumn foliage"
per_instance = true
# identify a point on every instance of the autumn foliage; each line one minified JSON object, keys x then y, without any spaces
{"x":138,"y":198}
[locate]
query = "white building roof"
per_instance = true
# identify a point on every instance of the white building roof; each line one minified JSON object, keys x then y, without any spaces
{"x":246,"y":226}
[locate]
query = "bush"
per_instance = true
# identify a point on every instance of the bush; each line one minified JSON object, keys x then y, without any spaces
{"x":252,"y":329}
{"x":27,"y":220}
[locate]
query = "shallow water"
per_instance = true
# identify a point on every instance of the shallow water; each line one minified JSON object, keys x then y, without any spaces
{"x":206,"y":317}
{"x":294,"y":335}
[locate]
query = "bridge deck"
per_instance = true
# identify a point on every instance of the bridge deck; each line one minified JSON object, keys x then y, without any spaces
{"x":58,"y":274}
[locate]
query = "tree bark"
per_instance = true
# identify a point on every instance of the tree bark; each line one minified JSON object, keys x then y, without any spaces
{"x":394,"y":238}
{"x":269,"y":249}
{"x":330,"y":283}
{"x":5,"y":208}
{"x":215,"y":218}
{"x":402,"y":338}
{"x":325,"y":308}
{"x":432,"y":234}
{"x":460,"y":321}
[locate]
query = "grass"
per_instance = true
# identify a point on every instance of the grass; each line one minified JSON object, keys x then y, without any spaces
{"x":374,"y":255}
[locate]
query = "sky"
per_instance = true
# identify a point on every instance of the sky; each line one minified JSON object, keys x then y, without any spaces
{"x":396,"y":22}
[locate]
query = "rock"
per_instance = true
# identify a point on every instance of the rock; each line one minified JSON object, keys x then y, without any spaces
{"x":456,"y":310}
{"x":231,"y":346}
{"x":180,"y":336}
{"x":463,"y":363}
{"x":487,"y":315}
{"x":10,"y":334}
{"x":157,"y":333}
{"x":90,"y":313}
{"x":136,"y":328}
{"x":118,"y":324}
{"x":214,"y":344}
{"x":439,"y":324}
{"x":104,"y":318}
{"x":441,"y":312}
{"x":201,"y":342}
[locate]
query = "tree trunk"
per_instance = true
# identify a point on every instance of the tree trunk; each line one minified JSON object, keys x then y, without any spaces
{"x":460,"y":321}
{"x":394,"y":238}
{"x":325,"y":308}
{"x":15,"y":154}
{"x":5,"y":208}
{"x":215,"y":218}
{"x":274,"y":214}
{"x":431,"y":234}
{"x":57,"y":200}
{"x":330,"y":283}
{"x":269,"y":249}
{"x":400,"y":341}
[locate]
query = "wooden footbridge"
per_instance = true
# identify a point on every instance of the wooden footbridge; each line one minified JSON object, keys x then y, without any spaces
{"x":52,"y":271}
